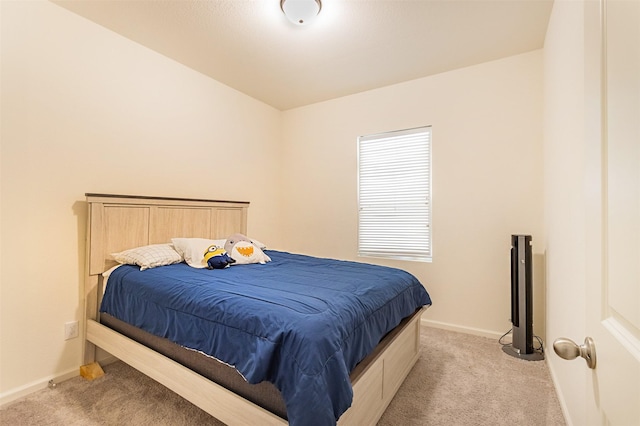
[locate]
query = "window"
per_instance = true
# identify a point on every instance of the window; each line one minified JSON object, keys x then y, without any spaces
{"x":394,"y":194}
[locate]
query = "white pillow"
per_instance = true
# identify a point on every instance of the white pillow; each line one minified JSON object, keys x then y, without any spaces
{"x":150,"y":256}
{"x":193,"y":250}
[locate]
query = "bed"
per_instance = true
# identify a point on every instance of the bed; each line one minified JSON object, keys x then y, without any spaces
{"x":116,"y":223}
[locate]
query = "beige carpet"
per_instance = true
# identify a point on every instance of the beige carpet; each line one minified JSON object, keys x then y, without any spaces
{"x":459,"y":380}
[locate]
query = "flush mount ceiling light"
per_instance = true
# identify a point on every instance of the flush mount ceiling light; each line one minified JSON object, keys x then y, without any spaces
{"x":300,"y":12}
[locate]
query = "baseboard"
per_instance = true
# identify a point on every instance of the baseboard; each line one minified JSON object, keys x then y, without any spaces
{"x":36,"y":385}
{"x":29,"y":388}
{"x":563,"y":403}
{"x":461,"y":329}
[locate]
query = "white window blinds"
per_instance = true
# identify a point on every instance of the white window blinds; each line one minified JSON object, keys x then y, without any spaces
{"x":394,"y":194}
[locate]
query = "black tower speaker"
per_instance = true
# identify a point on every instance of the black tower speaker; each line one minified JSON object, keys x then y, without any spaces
{"x":522,"y":300}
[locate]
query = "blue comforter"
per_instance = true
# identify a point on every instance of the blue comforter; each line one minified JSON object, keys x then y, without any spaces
{"x":299,"y":322}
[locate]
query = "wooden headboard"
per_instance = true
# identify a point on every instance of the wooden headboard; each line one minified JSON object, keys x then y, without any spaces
{"x":120,"y":222}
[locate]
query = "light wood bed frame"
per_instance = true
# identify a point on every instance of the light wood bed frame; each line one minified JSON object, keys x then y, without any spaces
{"x":116,"y":223}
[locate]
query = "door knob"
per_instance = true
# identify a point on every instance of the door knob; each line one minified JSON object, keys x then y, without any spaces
{"x":568,"y":349}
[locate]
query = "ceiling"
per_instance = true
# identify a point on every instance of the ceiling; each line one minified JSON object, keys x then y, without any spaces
{"x":352,"y":46}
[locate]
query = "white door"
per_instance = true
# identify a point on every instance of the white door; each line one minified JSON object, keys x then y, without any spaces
{"x":612,"y":70}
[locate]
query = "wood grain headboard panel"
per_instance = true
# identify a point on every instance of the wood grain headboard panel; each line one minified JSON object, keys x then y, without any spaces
{"x":119,"y":222}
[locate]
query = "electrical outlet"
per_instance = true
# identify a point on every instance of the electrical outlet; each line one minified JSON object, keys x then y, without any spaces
{"x":70,"y":330}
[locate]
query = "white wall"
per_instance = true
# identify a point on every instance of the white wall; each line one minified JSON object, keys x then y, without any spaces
{"x":565,"y":225}
{"x":487,"y":179}
{"x":86,"y":110}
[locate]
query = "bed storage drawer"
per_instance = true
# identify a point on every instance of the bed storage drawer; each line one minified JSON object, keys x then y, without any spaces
{"x":400,"y":359}
{"x":367,"y":398}
{"x":386,"y":368}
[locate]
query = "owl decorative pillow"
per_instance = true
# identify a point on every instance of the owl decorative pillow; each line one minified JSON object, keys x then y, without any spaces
{"x":244,"y":251}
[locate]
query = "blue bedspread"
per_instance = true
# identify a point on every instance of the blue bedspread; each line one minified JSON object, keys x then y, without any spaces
{"x":299,"y":322}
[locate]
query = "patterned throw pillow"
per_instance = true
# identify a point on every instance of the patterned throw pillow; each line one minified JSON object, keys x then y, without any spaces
{"x":150,"y":256}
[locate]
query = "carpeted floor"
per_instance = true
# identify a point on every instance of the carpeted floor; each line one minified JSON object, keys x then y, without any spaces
{"x":459,"y":380}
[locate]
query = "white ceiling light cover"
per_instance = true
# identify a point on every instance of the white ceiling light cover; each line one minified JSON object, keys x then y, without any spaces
{"x":301,"y":12}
